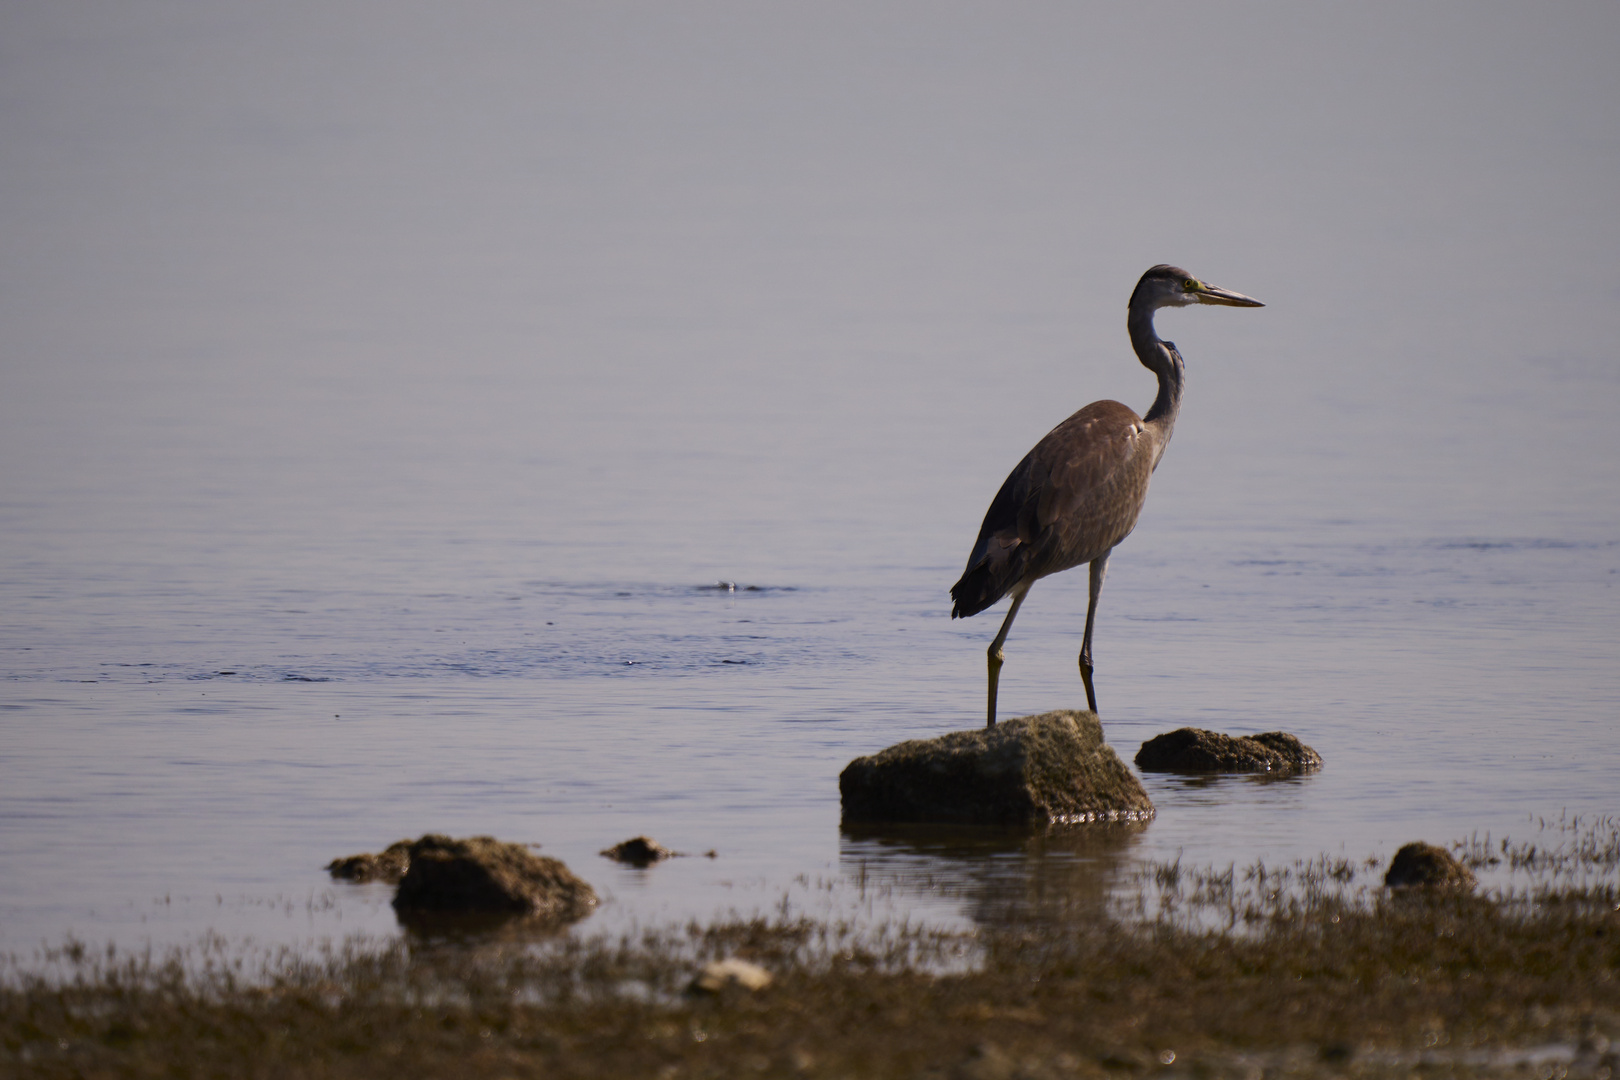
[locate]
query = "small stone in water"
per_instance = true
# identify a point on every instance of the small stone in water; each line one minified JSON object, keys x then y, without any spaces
{"x":639,"y":851}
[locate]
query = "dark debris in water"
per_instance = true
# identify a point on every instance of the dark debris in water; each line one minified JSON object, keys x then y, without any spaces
{"x":1522,"y":544}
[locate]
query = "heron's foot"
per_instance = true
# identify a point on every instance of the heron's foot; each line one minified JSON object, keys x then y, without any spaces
{"x":996,"y":660}
{"x":1085,"y":677}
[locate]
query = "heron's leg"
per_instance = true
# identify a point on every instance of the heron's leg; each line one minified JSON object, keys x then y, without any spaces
{"x":995,"y":651}
{"x":1099,"y":570}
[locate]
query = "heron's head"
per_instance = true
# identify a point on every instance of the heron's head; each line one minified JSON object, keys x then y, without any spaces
{"x":1171,"y":286}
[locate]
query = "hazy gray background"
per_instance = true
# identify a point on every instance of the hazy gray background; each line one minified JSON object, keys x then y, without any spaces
{"x":361,"y":342}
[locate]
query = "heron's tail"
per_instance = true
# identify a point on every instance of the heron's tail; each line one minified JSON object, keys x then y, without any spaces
{"x":977,"y":590}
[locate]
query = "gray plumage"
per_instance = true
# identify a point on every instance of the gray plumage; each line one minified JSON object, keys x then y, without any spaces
{"x":1078,"y":493}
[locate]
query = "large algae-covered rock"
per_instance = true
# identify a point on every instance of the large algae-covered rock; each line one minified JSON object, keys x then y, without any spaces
{"x":481,"y":875}
{"x":1194,"y":750}
{"x":1053,"y":767}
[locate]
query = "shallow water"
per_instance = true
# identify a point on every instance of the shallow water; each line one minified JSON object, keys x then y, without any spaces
{"x":377,"y":423}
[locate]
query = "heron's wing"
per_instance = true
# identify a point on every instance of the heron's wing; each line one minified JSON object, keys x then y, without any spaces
{"x":1072,"y":498}
{"x":1097,"y":464}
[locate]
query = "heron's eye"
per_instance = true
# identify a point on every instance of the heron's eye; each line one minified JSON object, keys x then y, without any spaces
{"x":1190,"y":285}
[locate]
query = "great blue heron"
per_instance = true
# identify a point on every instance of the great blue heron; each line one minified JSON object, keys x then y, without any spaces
{"x":1078,"y":493}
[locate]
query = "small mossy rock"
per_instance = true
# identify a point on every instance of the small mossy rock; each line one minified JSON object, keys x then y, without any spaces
{"x":1194,"y":750}
{"x":639,"y":851}
{"x":1034,"y":770}
{"x":481,"y":875}
{"x":1424,"y":866}
{"x":388,"y":865}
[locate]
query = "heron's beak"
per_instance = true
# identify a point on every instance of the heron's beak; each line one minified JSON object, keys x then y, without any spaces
{"x":1210,"y":294}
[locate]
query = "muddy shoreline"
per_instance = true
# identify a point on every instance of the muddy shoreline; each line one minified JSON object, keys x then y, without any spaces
{"x":1313,"y":970}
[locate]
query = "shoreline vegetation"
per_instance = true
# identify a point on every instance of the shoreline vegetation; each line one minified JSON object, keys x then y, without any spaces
{"x":1315,"y":969}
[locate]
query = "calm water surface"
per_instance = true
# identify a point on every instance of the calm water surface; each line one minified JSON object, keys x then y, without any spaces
{"x":382,"y":405}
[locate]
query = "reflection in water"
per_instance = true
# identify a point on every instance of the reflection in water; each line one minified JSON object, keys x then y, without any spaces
{"x":1210,"y":780}
{"x":484,"y":928}
{"x":1004,"y":877}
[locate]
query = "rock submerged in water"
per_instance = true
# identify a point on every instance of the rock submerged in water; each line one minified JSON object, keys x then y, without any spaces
{"x":388,"y":865}
{"x":483,"y":876}
{"x":1424,"y":866}
{"x":1034,"y":770}
{"x":639,"y":852}
{"x":1194,"y":750}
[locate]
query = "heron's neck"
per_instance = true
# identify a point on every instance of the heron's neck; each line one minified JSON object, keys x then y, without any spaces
{"x":1161,"y":358}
